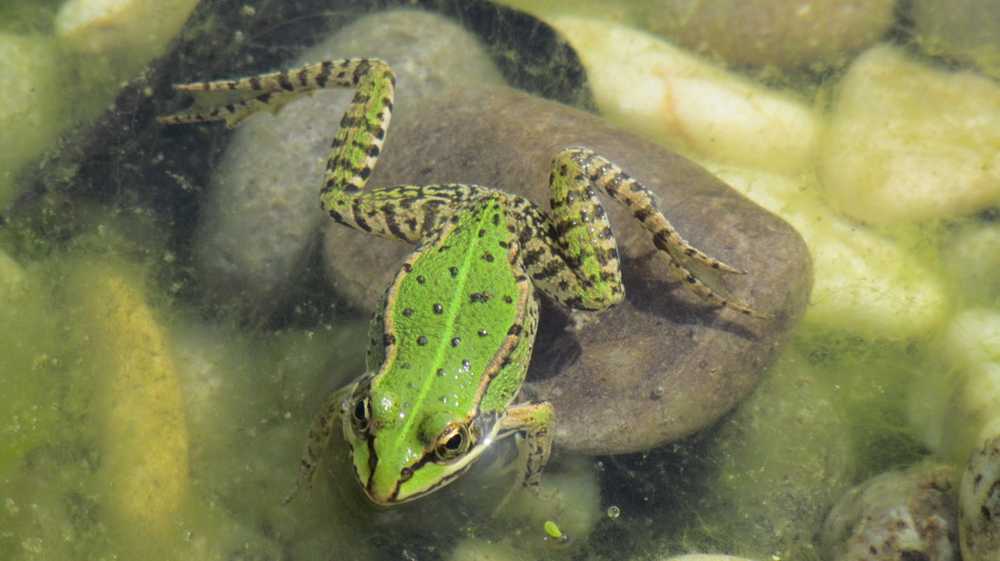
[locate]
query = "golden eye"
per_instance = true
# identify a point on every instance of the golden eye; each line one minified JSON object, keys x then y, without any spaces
{"x":452,"y":443}
{"x":361,"y":414}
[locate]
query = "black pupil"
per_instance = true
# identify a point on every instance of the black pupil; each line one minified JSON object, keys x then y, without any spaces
{"x":360,"y":411}
{"x":454,"y":443}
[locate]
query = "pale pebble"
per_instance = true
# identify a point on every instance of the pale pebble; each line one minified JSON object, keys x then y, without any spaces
{"x":972,"y":261}
{"x":33,"y":102}
{"x":956,"y":406}
{"x":706,"y":557}
{"x":908,"y":142}
{"x":651,"y":87}
{"x":897,"y":515}
{"x":570,"y":496}
{"x":783,"y":33}
{"x":864,"y":282}
{"x":966,"y":30}
{"x":132,"y":29}
{"x":475,"y":549}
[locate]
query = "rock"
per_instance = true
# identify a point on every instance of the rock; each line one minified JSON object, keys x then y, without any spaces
{"x":261,"y":215}
{"x":126,"y":28}
{"x":979,"y":504}
{"x":907,"y":142}
{"x":955,"y":408}
{"x":783,"y":33}
{"x":660,"y":365}
{"x":143,"y":435}
{"x":972,"y":261}
{"x":30,"y":116}
{"x":784,"y":456}
{"x":706,"y":557}
{"x":664,"y":93}
{"x":474,"y":549}
{"x":866,"y":283}
{"x":964,"y":29}
{"x":909,"y":514}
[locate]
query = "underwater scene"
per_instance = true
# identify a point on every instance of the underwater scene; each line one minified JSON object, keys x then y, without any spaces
{"x":445,"y":280}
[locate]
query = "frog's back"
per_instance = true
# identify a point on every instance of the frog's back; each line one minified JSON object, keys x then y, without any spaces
{"x":459,"y":322}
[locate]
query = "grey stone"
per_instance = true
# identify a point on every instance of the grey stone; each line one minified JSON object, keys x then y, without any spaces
{"x":967,"y":30}
{"x":900,"y":515}
{"x":655,"y":368}
{"x":261,"y":215}
{"x":784,"y":33}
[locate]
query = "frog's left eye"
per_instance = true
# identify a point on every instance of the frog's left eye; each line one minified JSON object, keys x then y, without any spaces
{"x":453,"y":442}
{"x":361,"y":414}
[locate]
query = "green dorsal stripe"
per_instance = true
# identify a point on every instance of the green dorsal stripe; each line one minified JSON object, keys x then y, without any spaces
{"x":450,"y":317}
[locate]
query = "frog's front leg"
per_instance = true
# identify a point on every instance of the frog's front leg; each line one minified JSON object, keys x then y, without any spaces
{"x":320,"y":432}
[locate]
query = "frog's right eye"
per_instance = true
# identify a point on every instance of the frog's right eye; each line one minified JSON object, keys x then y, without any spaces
{"x":361,"y":414}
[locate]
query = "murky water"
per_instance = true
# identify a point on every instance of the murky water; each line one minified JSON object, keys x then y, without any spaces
{"x":155,"y":408}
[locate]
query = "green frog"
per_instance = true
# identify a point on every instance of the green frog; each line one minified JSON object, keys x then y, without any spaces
{"x":452,"y":339}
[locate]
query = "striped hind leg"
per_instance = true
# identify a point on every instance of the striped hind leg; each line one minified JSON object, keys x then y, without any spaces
{"x":584,"y":233}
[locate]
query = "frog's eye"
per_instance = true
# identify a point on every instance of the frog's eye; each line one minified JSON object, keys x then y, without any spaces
{"x":361,"y":414}
{"x":453,"y":442}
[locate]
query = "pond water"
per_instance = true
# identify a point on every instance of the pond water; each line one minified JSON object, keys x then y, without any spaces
{"x":172,"y":317}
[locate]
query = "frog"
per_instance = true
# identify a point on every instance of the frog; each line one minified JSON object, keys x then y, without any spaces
{"x":451,"y":341}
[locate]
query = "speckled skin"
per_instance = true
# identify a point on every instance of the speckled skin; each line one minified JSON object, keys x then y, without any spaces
{"x":451,"y":347}
{"x":979,"y":504}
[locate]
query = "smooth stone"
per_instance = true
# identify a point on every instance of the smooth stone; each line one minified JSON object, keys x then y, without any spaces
{"x":866,"y":283}
{"x":955,"y":406}
{"x":908,"y":142}
{"x":128,"y":28}
{"x":972,"y":261}
{"x":34,"y":102}
{"x":966,"y":30}
{"x":908,"y":514}
{"x":678,"y":99}
{"x":979,"y":504}
{"x":653,"y":369}
{"x":260,"y":218}
{"x":784,"y":456}
{"x":706,"y":557}
{"x":144,"y":439}
{"x":783,"y":33}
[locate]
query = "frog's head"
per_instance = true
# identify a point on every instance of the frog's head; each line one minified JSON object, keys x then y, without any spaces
{"x":398,"y":458}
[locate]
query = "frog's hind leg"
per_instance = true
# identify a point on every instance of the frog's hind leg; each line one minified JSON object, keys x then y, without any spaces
{"x":584,"y":234}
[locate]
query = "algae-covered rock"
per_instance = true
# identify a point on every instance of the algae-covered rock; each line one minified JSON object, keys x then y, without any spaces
{"x":965,"y":30}
{"x":866,"y":283}
{"x":908,"y":142}
{"x":787,"y":34}
{"x":143,"y":433}
{"x":33,"y":101}
{"x":664,"y":93}
{"x":955,"y":408}
{"x":134,"y":30}
{"x":784,"y":457}
{"x":31,"y":366}
{"x":972,"y":262}
{"x":895,"y":516}
{"x":979,"y":503}
{"x":261,"y":216}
